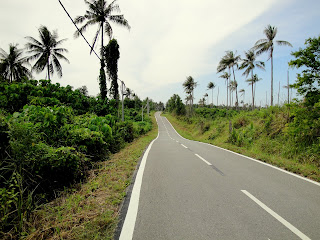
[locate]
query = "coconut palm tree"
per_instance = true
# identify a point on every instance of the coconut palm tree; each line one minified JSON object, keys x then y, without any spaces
{"x":242,"y":92}
{"x":267,"y":45}
{"x":230,"y":60}
{"x":189,"y":85}
{"x":234,"y":88}
{"x":101,"y":14}
{"x":252,"y":81}
{"x":226,"y":76}
{"x":211,"y":86}
{"x":249,"y":63}
{"x":47,"y":52}
{"x":12,"y":64}
{"x":206,"y":97}
{"x":128,"y":93}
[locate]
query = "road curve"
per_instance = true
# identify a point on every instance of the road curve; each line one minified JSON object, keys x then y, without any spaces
{"x":190,"y":190}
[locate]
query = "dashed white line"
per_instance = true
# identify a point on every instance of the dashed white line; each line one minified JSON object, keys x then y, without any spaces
{"x":203,"y":160}
{"x":183,"y":145}
{"x":252,"y":159}
{"x":276,"y":216}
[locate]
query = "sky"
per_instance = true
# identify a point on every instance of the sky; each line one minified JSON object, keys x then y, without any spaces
{"x":171,"y":40}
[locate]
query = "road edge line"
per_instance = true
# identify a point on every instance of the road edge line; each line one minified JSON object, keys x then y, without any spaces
{"x":250,"y":158}
{"x":127,"y":229}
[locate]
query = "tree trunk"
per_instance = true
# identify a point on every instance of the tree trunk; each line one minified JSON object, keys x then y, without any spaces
{"x":271,"y":76}
{"x":212,"y":97}
{"x":48,"y":69}
{"x":234,"y":78}
{"x":252,"y":90}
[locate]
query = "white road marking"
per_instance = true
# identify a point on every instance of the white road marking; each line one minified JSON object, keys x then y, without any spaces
{"x":252,"y":159}
{"x":130,"y":220}
{"x":276,"y":216}
{"x":183,"y":145}
{"x":203,"y":160}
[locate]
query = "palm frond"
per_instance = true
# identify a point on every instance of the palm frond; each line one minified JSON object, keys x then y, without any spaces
{"x":120,"y":20}
{"x":284,"y":43}
{"x":57,"y":66}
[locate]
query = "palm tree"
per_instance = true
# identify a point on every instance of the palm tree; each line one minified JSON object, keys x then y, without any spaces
{"x":206,"y":96}
{"x":202,"y":102}
{"x":101,"y":13}
{"x":189,"y":85}
{"x":267,"y":45}
{"x":234,"y":87}
{"x":12,"y":65}
{"x":249,"y":63}
{"x":229,"y":60}
{"x":211,"y":86}
{"x":226,"y":76}
{"x":243,"y":92}
{"x":46,"y":51}
{"x":252,"y":81}
{"x":128,"y":93}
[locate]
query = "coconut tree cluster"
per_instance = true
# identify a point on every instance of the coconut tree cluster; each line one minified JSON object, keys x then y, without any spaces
{"x":232,"y":62}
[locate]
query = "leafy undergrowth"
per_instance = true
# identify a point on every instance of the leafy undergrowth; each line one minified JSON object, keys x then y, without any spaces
{"x":257,"y":134}
{"x":91,"y":211}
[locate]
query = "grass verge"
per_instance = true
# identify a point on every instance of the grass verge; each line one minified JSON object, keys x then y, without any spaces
{"x":192,"y":132}
{"x":92,"y":210}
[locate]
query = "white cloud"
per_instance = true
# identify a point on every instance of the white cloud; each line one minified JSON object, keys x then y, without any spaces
{"x":168,"y":39}
{"x":173,"y":39}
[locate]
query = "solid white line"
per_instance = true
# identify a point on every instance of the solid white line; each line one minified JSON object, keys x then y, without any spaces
{"x":203,"y":160}
{"x":130,"y":220}
{"x":276,"y":216}
{"x":252,"y":159}
{"x":183,"y":145}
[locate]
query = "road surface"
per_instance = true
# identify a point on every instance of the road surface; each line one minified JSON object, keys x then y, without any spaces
{"x":190,"y":190}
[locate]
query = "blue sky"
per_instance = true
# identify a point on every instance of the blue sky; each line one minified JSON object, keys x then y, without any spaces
{"x":170,"y":40}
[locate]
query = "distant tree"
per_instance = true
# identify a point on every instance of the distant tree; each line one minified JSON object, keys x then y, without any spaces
{"x":252,"y":81}
{"x":206,"y":97}
{"x":226,"y":76}
{"x":13,"y":64}
{"x":84,"y":90}
{"x":230,"y":60}
{"x":189,"y":85}
{"x":249,"y":63}
{"x":175,"y":105}
{"x":211,"y":86}
{"x":267,"y":45}
{"x":128,"y":93}
{"x":242,"y":93}
{"x":202,"y":102}
{"x":307,"y":83}
{"x":234,"y":88}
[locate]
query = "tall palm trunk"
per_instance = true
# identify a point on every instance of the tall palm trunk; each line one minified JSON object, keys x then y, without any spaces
{"x":212,"y":97}
{"x":272,"y":76}
{"x":48,"y":69}
{"x":234,"y":78}
{"x":252,"y":90}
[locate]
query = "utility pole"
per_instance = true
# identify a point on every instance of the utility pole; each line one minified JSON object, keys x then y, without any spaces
{"x":122,"y":94}
{"x":142,"y":108}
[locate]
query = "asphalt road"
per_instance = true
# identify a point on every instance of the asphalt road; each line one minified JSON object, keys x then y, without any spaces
{"x":192,"y":190}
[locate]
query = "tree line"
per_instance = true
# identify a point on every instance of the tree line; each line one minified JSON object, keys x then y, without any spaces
{"x":232,"y":61}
